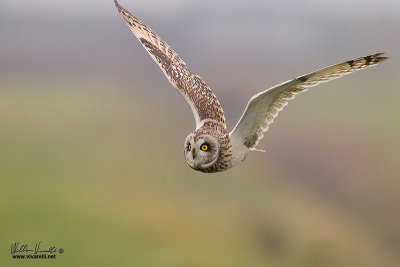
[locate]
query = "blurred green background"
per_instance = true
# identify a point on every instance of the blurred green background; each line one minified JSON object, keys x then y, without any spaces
{"x":91,"y":135}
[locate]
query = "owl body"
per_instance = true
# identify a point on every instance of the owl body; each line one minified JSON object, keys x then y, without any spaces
{"x":214,"y":136}
{"x":210,"y":148}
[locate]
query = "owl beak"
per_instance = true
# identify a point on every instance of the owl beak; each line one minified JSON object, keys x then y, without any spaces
{"x":194,"y":154}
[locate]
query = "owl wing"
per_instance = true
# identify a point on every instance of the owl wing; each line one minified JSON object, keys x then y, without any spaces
{"x":197,"y":94}
{"x":263,"y":107}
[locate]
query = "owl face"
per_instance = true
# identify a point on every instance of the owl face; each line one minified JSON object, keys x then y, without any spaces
{"x":201,"y":151}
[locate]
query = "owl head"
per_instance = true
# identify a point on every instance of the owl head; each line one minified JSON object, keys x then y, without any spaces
{"x":201,"y":151}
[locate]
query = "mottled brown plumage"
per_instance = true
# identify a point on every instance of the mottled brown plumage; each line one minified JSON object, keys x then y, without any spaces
{"x":210,"y":148}
{"x":193,"y":89}
{"x":218,"y":131}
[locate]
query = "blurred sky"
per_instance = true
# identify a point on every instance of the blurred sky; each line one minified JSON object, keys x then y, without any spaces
{"x":337,"y":145}
{"x":263,"y":42}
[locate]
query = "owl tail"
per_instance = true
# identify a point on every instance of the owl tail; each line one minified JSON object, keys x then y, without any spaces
{"x":257,"y":149}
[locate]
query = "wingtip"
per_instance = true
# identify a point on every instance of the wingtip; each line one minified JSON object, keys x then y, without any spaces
{"x":378,"y":54}
{"x":117,"y":4}
{"x":379,"y":58}
{"x":382,"y":59}
{"x":121,"y":9}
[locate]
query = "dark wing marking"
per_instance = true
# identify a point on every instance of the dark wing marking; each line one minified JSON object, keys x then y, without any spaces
{"x":265,"y":106}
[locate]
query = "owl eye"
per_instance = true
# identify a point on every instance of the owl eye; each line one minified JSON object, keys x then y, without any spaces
{"x":204,"y":147}
{"x":189,"y":147}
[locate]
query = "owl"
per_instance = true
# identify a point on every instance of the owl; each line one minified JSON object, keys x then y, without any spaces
{"x":211,"y":148}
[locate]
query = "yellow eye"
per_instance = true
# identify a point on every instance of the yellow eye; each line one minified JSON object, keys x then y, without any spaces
{"x":189,"y":147}
{"x":204,"y":147}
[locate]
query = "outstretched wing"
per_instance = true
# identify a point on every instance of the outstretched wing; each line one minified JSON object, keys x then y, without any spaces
{"x":264,"y":106}
{"x":196,"y":93}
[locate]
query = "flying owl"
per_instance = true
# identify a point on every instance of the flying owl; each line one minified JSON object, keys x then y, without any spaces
{"x":210,"y":148}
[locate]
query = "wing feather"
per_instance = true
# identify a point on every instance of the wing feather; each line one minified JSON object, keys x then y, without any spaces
{"x":197,"y":94}
{"x":264,"y":107}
